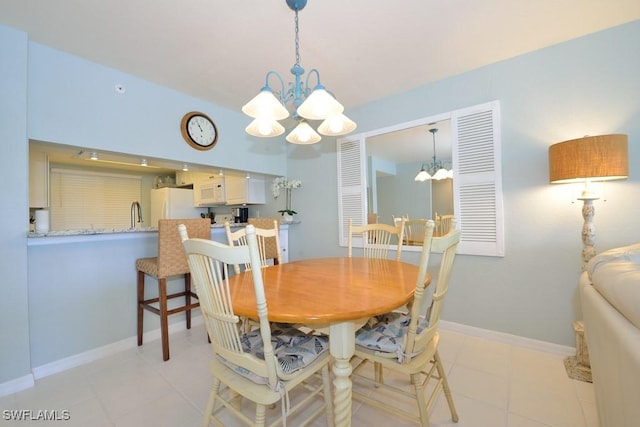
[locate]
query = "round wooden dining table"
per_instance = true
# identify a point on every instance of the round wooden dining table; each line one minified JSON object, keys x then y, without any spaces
{"x":334,"y":294}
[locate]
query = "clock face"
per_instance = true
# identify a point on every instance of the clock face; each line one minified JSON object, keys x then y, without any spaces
{"x":199,"y":131}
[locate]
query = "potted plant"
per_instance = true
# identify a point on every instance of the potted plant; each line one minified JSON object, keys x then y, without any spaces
{"x":282,"y":183}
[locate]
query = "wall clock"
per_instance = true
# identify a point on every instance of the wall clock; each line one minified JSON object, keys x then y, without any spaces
{"x":199,"y":130}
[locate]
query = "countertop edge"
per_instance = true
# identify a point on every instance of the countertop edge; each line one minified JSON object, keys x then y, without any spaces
{"x":82,"y":236}
{"x":41,"y":240}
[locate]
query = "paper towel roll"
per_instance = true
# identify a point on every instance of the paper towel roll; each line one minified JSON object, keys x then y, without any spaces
{"x":42,"y":221}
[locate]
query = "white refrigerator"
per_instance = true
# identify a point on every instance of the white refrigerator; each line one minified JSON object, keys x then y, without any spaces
{"x":173,"y":203}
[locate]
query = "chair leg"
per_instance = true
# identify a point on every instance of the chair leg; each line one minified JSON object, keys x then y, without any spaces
{"x":423,"y":409}
{"x":140,"y":307}
{"x":187,"y":297}
{"x":261,"y":412}
{"x":377,"y":369}
{"x":164,"y":324}
{"x":328,"y":396}
{"x":445,"y":387}
{"x":208,"y":412}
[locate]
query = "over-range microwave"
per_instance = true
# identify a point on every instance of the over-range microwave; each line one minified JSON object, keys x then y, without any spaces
{"x":208,"y":192}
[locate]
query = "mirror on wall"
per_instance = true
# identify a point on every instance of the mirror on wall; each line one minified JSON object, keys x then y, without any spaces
{"x":395,"y":158}
{"x":477,"y":178}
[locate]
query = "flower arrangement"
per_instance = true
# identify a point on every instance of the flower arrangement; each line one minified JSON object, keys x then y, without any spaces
{"x":282,"y":183}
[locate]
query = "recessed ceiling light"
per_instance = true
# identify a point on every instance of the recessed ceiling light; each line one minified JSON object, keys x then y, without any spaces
{"x":185,"y":168}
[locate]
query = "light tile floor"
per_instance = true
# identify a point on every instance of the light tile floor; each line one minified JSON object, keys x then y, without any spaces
{"x":494,"y":385}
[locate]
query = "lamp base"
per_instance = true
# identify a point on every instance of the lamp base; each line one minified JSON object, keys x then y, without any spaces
{"x":588,"y":230}
{"x":578,"y":367}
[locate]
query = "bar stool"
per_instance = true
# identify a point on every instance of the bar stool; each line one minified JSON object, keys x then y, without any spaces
{"x":171,"y":261}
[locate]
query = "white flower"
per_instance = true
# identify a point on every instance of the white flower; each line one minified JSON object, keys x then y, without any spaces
{"x":282,"y":182}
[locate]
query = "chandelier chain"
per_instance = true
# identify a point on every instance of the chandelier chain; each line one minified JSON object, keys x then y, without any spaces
{"x":297,"y":40}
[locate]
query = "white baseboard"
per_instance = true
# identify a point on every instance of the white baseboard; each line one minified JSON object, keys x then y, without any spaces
{"x":107,"y":350}
{"x":83,"y":358}
{"x":16,"y":385}
{"x":515,"y":340}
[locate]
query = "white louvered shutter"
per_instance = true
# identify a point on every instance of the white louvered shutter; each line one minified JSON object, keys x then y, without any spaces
{"x":477,"y":183}
{"x":352,"y":185}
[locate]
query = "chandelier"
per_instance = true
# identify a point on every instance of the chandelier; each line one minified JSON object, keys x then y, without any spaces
{"x":436,"y":169}
{"x":269,"y":106}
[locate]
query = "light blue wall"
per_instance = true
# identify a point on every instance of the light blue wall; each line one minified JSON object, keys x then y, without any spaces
{"x":74,"y":102}
{"x":400,"y":194}
{"x":586,"y":86}
{"x":14,"y":322}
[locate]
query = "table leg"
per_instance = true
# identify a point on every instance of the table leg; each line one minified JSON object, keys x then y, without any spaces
{"x":342,"y":347}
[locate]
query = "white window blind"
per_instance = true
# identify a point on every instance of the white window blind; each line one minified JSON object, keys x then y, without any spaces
{"x":83,"y":200}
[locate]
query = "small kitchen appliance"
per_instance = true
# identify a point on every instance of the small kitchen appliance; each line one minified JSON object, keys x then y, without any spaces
{"x":240,"y":215}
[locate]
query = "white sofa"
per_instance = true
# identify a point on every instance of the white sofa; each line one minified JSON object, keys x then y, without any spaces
{"x":610,"y":295}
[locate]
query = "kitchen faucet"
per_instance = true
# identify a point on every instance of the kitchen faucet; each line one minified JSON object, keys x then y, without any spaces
{"x":135,"y":205}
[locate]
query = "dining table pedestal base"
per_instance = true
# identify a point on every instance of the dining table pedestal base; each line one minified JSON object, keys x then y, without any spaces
{"x":342,"y":347}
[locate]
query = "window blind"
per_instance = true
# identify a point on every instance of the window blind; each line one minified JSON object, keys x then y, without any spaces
{"x":83,"y":200}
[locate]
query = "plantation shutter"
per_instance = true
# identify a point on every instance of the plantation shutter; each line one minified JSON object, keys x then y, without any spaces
{"x":352,"y":185}
{"x":477,"y":182}
{"x":83,"y":200}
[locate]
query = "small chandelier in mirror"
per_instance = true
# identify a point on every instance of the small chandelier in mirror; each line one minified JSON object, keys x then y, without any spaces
{"x":436,"y":169}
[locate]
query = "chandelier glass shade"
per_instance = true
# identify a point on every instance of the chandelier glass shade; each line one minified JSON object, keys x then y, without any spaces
{"x":269,"y":106}
{"x":436,"y":169}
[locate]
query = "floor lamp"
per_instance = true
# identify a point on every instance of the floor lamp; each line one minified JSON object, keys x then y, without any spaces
{"x":588,"y":159}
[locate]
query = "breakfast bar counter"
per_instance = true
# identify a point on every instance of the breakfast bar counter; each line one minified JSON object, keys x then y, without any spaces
{"x":102,"y":234}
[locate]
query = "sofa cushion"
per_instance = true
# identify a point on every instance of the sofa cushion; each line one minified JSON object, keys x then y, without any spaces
{"x":616,"y":276}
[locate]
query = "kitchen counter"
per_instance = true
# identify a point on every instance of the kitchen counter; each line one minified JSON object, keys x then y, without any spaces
{"x":102,"y":234}
{"x":92,"y":232}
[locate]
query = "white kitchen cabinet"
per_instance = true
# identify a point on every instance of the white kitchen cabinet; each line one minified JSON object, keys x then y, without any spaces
{"x":240,"y":190}
{"x":189,"y":178}
{"x":38,"y":179}
{"x":284,"y":243}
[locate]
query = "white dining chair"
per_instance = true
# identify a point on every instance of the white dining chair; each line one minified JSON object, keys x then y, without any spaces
{"x":377,"y":239}
{"x":407,"y":343}
{"x":268,"y":242}
{"x":263,"y":365}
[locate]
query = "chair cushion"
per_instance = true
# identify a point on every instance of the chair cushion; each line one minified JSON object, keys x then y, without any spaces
{"x":293,"y":349}
{"x":385,"y":333}
{"x":148,"y":266}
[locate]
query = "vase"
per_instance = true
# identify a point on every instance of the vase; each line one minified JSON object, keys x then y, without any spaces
{"x":288,"y":199}
{"x":287,"y":218}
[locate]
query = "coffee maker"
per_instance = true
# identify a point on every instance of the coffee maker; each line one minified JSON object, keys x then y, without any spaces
{"x":240,"y":215}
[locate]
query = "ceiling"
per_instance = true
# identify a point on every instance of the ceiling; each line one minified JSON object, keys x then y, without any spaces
{"x":365,"y":50}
